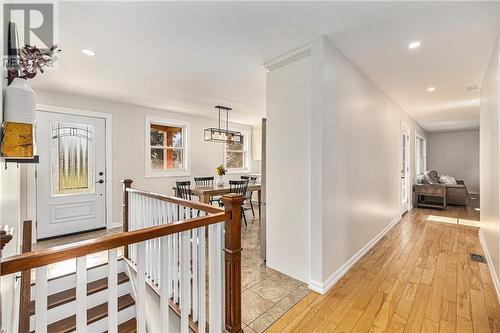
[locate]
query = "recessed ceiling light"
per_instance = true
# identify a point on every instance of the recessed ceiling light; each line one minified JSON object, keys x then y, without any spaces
{"x":431,"y":89}
{"x":414,"y":45}
{"x":89,"y":52}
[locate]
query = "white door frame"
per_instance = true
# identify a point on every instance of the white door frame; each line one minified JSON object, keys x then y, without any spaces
{"x":424,"y":153}
{"x":405,"y":128}
{"x":31,"y":185}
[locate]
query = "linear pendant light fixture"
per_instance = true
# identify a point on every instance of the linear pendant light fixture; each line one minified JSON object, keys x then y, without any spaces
{"x":220,"y":134}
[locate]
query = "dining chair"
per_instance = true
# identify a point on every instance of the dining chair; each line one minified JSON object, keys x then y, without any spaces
{"x":207,"y":182}
{"x":248,"y":196}
{"x":239,"y":187}
{"x":183,"y":191}
{"x":204,"y":181}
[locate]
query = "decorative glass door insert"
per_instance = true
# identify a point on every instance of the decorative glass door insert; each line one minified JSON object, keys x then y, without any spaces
{"x":72,"y":158}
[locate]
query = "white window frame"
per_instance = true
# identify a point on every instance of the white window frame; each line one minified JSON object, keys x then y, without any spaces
{"x":247,"y":138}
{"x":186,"y":132}
{"x":424,"y":153}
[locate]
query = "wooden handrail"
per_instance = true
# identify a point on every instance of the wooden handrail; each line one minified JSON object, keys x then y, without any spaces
{"x":178,"y":201}
{"x":34,"y":259}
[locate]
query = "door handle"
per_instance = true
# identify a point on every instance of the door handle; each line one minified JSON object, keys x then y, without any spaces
{"x":100,"y":181}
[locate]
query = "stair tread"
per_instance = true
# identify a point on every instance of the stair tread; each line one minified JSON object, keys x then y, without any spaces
{"x":93,"y":314}
{"x":56,"y":277}
{"x":69,"y":295}
{"x":129,"y":326}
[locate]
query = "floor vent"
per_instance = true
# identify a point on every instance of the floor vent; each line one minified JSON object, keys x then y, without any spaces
{"x":477,"y":257}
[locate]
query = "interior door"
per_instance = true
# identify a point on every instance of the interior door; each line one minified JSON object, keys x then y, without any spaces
{"x":405,"y":168}
{"x":71,"y":189}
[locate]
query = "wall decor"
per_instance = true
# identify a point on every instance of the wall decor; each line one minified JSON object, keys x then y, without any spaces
{"x":17,"y":140}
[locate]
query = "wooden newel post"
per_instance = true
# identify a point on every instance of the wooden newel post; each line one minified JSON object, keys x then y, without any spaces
{"x":127,"y":183}
{"x":25,"y":289}
{"x":232,"y":262}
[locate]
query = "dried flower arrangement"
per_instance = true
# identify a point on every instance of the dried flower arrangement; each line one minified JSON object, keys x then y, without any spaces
{"x":31,"y":60}
{"x":220,"y":170}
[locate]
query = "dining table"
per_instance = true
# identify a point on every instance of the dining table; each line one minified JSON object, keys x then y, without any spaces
{"x":205,"y":192}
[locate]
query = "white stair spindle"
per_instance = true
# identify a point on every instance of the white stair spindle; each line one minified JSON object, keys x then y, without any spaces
{"x":41,"y":300}
{"x":171,"y":266}
{"x":185,"y":283}
{"x":175,"y":252}
{"x":132,"y":221}
{"x":215,"y":278}
{"x":201,"y":280}
{"x":194,"y":245}
{"x":113,"y":291}
{"x":81,"y":294}
{"x":141,"y":288}
{"x":170,"y":208}
{"x":165,"y":284}
{"x":148,"y":243}
{"x":156,"y":243}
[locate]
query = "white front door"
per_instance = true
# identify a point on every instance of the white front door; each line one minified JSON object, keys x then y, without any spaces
{"x":71,"y":189}
{"x":405,"y":167}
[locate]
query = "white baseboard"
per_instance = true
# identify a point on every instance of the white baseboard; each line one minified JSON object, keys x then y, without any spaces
{"x":322,"y":288}
{"x":494,"y":276}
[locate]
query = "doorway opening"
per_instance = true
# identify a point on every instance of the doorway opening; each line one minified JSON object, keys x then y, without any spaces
{"x":405,"y":168}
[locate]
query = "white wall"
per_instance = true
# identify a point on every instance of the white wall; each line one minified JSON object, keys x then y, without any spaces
{"x":346,"y":131}
{"x":489,"y":164}
{"x":361,"y":161}
{"x":128,"y":143}
{"x":287,"y":169}
{"x":455,"y":154}
{"x":10,"y":198}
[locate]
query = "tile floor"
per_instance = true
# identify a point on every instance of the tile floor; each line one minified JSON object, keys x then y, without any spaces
{"x":266,"y":293}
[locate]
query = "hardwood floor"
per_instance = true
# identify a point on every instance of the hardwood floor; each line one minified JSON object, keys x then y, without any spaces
{"x":418,"y":278}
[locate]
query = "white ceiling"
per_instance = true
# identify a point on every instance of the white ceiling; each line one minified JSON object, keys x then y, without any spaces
{"x":190,"y":56}
{"x":457,"y":41}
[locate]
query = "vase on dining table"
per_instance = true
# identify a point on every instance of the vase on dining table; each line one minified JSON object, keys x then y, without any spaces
{"x":220,"y":180}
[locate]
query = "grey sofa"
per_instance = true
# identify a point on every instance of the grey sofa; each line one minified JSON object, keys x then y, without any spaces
{"x":455,"y":194}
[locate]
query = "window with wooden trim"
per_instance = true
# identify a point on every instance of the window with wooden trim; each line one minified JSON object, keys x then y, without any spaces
{"x":237,"y":158}
{"x":166,"y":147}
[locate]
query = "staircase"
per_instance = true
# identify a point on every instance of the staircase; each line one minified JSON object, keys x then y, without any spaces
{"x":180,"y":249}
{"x":61,"y":301}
